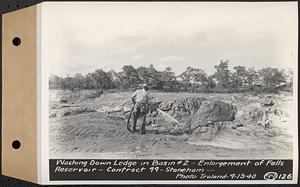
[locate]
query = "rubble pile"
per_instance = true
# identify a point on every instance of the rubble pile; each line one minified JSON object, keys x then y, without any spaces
{"x":67,"y":111}
{"x":191,"y":113}
{"x":185,"y":115}
{"x":77,"y":110}
{"x":265,"y":114}
{"x":209,"y":116}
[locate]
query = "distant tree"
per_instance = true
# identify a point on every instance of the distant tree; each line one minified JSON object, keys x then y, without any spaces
{"x":211,"y":84}
{"x":199,"y":78}
{"x":238,"y":78}
{"x":55,"y":82}
{"x":251,"y":77}
{"x":234,"y":83}
{"x":169,"y":82}
{"x":186,"y":78}
{"x":193,"y":78}
{"x":103,"y":80}
{"x":68,"y":83}
{"x":91,"y":81}
{"x":272,"y":78}
{"x":130,"y":77}
{"x":289,"y":76}
{"x":115,"y":79}
{"x":79,"y":81}
{"x":241,"y":74}
{"x":144,"y":74}
{"x":222,"y":74}
{"x":155,"y":78}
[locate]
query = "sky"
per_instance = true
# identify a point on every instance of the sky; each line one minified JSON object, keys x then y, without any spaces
{"x":80,"y":37}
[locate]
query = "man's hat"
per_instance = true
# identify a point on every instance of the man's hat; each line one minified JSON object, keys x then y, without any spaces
{"x":145,"y":85}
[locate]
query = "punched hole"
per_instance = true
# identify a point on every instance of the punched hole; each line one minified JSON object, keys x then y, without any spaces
{"x":16,"y":41}
{"x":16,"y":144}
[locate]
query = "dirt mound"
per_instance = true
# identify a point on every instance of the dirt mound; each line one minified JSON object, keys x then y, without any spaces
{"x":260,"y":115}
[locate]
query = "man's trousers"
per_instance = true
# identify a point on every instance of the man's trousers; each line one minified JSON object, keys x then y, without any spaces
{"x":140,"y":111}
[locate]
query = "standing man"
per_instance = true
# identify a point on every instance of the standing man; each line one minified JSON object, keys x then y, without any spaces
{"x":140,"y":99}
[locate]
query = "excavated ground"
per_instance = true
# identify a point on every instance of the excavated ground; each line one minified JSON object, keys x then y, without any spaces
{"x":212,"y":126}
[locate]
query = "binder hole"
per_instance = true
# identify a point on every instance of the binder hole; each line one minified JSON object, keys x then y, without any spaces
{"x":16,"y":41}
{"x":17,"y":6}
{"x":16,"y":144}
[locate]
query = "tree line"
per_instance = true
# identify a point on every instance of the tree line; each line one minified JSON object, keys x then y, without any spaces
{"x":241,"y":79}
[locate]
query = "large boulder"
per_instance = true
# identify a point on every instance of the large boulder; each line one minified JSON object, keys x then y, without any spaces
{"x":216,"y":111}
{"x":211,"y":110}
{"x":192,"y":112}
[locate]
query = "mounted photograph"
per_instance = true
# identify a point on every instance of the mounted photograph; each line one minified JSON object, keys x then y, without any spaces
{"x":171,"y":80}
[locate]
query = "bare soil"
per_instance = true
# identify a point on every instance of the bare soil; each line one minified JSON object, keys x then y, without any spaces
{"x":79,"y":128}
